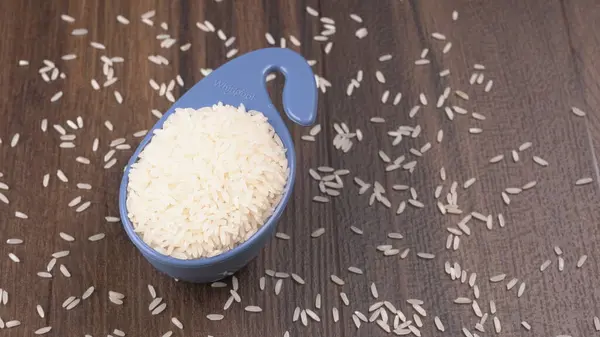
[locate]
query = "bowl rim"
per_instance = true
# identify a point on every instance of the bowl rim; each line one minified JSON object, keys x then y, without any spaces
{"x":155,"y":256}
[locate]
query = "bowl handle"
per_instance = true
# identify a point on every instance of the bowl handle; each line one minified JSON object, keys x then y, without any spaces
{"x":248,"y":73}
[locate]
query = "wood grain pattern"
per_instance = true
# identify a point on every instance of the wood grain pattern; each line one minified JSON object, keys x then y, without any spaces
{"x":541,"y":55}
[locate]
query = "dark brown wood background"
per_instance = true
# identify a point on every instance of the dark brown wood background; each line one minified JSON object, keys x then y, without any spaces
{"x":542,"y":56}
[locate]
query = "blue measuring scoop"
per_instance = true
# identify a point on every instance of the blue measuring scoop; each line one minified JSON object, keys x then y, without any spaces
{"x":240,"y":81}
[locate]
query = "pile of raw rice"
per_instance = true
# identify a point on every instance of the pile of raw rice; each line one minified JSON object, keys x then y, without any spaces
{"x":207,"y":181}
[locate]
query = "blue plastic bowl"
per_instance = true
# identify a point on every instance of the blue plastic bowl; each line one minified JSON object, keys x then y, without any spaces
{"x":240,"y":81}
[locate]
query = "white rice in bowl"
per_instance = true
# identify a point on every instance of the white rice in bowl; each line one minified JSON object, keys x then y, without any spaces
{"x":207,"y":181}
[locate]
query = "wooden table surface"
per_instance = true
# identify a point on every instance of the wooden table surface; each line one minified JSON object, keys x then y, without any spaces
{"x":541,"y":55}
